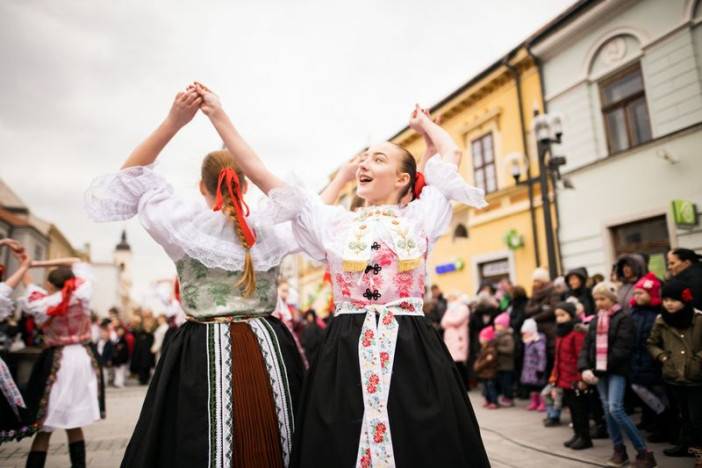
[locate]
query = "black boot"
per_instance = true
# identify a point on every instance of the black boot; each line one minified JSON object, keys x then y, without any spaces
{"x":570,"y":441}
{"x":581,"y":443}
{"x":677,"y":451}
{"x":36,"y":460}
{"x":77,"y":452}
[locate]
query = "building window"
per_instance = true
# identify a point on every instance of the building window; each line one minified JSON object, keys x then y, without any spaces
{"x":648,"y":237}
{"x":38,"y":252}
{"x":493,"y":272}
{"x":461,"y":231}
{"x":484,"y":173}
{"x":624,"y":110}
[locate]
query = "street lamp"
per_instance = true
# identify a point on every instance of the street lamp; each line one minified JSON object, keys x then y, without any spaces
{"x":548,"y":129}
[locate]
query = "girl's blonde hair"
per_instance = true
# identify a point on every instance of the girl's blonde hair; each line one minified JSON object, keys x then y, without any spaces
{"x":214,"y":164}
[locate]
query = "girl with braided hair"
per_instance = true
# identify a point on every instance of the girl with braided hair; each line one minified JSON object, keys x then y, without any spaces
{"x":224,"y":390}
{"x":383,"y":390}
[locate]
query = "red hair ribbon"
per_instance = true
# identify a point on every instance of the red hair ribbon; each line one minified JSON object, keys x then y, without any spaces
{"x":419,"y":184}
{"x":228,"y":176}
{"x":66,"y":292}
{"x":687,"y":295}
{"x":176,"y":289}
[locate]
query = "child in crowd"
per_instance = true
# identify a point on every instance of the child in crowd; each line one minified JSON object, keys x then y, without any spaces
{"x":105,"y":350}
{"x":605,"y":361}
{"x":504,"y":342}
{"x":534,"y":366}
{"x":120,"y":357}
{"x":676,"y":342}
{"x":486,"y":366}
{"x":565,"y":375}
{"x":645,"y":378}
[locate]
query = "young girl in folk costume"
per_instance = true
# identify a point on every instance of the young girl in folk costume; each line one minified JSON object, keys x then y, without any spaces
{"x":13,"y":409}
{"x":65,"y":389}
{"x":605,"y":361}
{"x":351,"y":414}
{"x":224,"y":392}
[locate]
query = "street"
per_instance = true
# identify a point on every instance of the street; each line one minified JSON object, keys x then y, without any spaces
{"x":513,"y":438}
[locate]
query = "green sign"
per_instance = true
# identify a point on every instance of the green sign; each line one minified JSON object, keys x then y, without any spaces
{"x":684,"y":213}
{"x":656,"y":265}
{"x":513,"y":239}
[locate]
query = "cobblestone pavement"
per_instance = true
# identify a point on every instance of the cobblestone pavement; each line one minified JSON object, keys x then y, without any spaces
{"x":514,"y":438}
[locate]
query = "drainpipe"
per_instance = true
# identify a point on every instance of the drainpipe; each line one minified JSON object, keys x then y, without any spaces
{"x":530,"y":185}
{"x":544,"y":106}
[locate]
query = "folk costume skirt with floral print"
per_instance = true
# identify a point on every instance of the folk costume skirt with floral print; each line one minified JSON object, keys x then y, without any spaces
{"x":430,"y":417}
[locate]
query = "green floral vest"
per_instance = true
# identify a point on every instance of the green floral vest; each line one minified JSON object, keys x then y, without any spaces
{"x":212,"y":292}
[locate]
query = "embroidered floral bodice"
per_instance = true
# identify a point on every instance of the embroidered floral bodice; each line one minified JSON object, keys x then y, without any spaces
{"x":212,"y":292}
{"x":378,"y":254}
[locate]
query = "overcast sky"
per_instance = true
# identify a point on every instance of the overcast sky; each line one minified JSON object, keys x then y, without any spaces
{"x":308,"y":82}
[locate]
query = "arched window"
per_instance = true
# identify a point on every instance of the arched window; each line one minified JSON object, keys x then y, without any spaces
{"x":460,"y":231}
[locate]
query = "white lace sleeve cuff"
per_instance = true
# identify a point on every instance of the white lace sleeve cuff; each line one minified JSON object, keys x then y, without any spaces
{"x":115,"y":197}
{"x":444,"y":177}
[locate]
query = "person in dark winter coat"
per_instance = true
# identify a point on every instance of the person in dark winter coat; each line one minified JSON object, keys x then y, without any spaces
{"x":686,"y":266}
{"x":676,"y":342}
{"x":565,"y":375}
{"x":629,"y":268}
{"x":120,"y":357}
{"x":645,"y":377}
{"x":577,"y":288}
{"x":605,"y":361}
{"x":486,"y":367}
{"x":541,"y":308}
{"x":504,"y":342}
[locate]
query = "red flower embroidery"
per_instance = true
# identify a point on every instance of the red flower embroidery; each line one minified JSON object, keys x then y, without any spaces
{"x":372,"y":389}
{"x":687,"y":295}
{"x":387,"y":320}
{"x":384,"y":358}
{"x":407,"y":306}
{"x":366,"y":459}
{"x":379,"y":433}
{"x":344,"y":284}
{"x":367,"y":338}
{"x":373,"y":379}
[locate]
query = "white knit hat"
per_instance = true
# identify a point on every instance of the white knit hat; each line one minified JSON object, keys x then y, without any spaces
{"x":540,"y":274}
{"x":606,"y":289}
{"x":529,"y":326}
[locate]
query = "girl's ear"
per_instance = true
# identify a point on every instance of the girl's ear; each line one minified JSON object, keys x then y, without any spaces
{"x":202,"y":187}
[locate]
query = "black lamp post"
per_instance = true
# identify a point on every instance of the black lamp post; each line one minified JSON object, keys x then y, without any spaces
{"x":548,"y":130}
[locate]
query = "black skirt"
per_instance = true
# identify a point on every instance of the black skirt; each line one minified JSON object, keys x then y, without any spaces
{"x":193,"y":414}
{"x":14,"y":423}
{"x":431,"y":419}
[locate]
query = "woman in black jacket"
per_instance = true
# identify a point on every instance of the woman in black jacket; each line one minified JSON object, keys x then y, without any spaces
{"x":686,"y":266}
{"x":605,"y":361}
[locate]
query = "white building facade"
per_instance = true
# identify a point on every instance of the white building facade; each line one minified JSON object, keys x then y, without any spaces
{"x":626,"y":77}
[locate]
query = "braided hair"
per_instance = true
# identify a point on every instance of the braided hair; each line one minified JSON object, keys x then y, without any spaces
{"x":214,"y":166}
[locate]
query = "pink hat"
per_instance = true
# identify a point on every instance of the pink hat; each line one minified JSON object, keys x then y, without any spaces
{"x":502,"y":320}
{"x":487,"y":334}
{"x":652,"y":285}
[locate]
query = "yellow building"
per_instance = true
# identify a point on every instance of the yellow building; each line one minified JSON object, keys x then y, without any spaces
{"x":490,"y":118}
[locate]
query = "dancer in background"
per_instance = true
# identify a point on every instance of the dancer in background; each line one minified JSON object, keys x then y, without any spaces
{"x":13,"y":410}
{"x":350,"y":414}
{"x":65,"y":389}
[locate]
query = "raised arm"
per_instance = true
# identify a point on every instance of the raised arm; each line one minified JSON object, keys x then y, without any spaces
{"x":345,"y":174}
{"x":243,"y":154}
{"x":422,"y":123}
{"x":24,"y":262}
{"x":184,"y":107}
